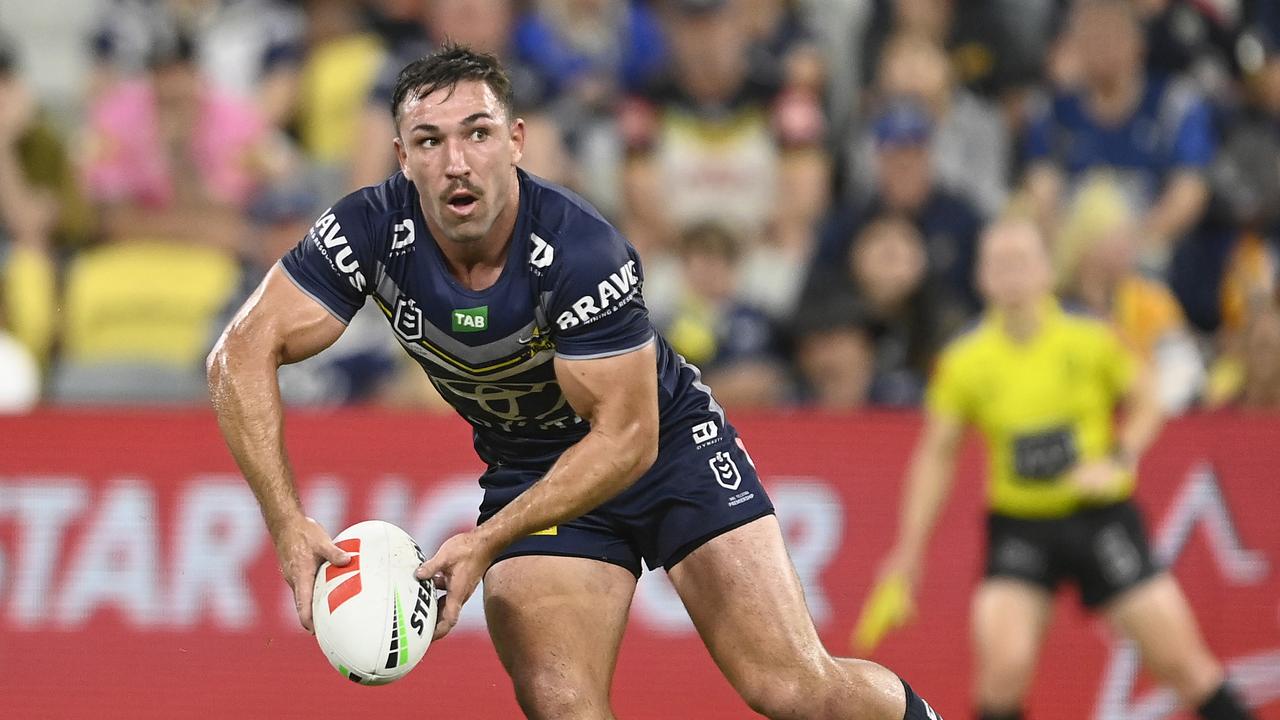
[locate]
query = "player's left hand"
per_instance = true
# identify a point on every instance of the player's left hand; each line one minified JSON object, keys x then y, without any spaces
{"x":1097,"y":479}
{"x":457,"y":566}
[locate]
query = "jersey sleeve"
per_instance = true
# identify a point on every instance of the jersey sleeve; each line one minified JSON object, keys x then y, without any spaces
{"x":596,"y":308}
{"x":947,"y":394}
{"x":333,"y":262}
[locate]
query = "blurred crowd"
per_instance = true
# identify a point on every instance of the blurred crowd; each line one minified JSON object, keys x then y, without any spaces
{"x":806,"y":180}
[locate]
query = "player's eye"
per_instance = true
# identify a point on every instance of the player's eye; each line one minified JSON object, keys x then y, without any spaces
{"x":429,"y":142}
{"x":479,"y":134}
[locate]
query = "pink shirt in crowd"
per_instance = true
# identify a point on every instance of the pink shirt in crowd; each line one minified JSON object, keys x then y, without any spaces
{"x":129,"y":163}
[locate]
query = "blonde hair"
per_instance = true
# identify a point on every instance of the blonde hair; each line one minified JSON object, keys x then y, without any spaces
{"x":1098,"y":208}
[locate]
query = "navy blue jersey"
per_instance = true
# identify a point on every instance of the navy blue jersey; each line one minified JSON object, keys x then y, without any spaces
{"x":571,"y":287}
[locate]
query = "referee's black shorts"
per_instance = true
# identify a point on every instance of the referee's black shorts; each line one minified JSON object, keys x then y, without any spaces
{"x":1104,"y":550}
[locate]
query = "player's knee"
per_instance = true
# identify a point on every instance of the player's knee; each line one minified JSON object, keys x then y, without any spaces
{"x":780,"y":695}
{"x":555,"y":696}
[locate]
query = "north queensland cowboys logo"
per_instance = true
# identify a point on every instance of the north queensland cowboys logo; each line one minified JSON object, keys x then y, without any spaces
{"x":408,"y":320}
{"x":542,"y":254}
{"x":726,"y":471}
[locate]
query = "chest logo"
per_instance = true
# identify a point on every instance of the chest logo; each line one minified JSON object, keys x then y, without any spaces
{"x":542,"y":254}
{"x":474,"y":319}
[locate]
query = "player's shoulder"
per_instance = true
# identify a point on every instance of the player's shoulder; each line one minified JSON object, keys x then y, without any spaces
{"x":567,"y":231}
{"x":366,"y":216}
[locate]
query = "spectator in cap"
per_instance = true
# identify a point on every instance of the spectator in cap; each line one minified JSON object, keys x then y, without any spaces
{"x":971,"y":148}
{"x":906,"y":185}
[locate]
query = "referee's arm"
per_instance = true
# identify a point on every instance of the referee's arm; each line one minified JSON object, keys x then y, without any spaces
{"x":928,"y":485}
{"x":1142,"y":421}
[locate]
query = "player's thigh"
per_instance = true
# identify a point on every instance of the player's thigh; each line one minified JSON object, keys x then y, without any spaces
{"x":556,"y":623}
{"x":1156,"y":616}
{"x":1009,"y":619}
{"x":745,"y":598}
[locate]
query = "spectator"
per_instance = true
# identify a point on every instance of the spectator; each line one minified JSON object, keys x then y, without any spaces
{"x":491,"y":26}
{"x":1152,"y":131}
{"x":732,"y":342}
{"x":834,"y":353}
{"x":905,"y":319}
{"x":593,"y":53}
{"x":1096,"y":271}
{"x":42,"y":211}
{"x":970,"y":150}
{"x":246,"y":48}
{"x":781,"y":33}
{"x":339,"y":69}
{"x":906,"y":186}
{"x":173,"y":158}
{"x":719,"y":140}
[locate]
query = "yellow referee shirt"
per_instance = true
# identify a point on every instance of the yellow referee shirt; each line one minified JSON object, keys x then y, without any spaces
{"x":1043,"y":405}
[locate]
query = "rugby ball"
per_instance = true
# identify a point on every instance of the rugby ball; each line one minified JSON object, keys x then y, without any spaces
{"x":372,"y":617}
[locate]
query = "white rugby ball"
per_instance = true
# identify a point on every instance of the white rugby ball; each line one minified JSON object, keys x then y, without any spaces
{"x":372,"y":617}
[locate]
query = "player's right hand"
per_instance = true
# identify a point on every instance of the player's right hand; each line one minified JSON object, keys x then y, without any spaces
{"x":301,"y":548}
{"x":890,"y":605}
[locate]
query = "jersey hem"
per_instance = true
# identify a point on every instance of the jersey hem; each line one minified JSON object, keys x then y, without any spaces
{"x":608,"y":353}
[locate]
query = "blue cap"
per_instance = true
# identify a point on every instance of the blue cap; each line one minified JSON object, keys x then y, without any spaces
{"x":903,"y":122}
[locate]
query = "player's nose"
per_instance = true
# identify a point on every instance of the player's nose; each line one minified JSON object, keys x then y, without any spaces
{"x":457,"y":165}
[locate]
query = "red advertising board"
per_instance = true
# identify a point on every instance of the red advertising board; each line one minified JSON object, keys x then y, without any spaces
{"x":137,"y":581}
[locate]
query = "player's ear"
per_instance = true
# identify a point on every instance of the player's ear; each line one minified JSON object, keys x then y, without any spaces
{"x":401,"y":155}
{"x":517,"y":140}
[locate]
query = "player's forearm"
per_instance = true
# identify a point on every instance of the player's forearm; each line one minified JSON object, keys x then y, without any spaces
{"x":246,"y":399}
{"x":597,"y":468}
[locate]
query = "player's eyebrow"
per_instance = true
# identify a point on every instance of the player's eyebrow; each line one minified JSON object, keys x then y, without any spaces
{"x":468,"y":120}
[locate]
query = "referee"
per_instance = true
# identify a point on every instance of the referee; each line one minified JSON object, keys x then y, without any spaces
{"x":1043,"y":385}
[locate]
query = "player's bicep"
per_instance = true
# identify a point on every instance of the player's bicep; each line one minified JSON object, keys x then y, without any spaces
{"x":281,"y":321}
{"x":616,"y":394}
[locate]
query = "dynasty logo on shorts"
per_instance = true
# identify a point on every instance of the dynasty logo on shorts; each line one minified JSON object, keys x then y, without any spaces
{"x":726,"y":471}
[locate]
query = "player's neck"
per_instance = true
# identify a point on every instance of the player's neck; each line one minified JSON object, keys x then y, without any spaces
{"x":478,"y":265}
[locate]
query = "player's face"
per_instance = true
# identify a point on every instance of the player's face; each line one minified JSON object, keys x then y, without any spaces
{"x":1013,"y":265}
{"x":460,"y":149}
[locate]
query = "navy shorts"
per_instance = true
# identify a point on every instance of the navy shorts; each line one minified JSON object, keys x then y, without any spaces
{"x":694,"y":492}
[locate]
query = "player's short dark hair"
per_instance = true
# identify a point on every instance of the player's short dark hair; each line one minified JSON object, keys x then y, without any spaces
{"x":444,"y":69}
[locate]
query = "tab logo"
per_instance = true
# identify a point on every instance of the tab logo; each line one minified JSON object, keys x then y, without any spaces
{"x":474,"y":319}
